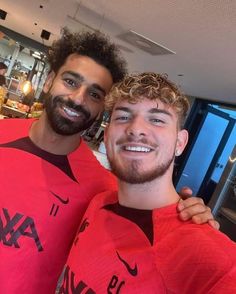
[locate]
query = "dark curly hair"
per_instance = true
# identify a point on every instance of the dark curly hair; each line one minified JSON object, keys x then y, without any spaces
{"x":97,"y":46}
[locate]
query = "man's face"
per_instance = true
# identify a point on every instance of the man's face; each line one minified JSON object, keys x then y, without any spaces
{"x":142,"y":139}
{"x":76,"y":94}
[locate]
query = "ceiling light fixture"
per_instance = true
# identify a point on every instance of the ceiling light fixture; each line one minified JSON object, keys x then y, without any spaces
{"x":45,"y":35}
{"x":144,"y":43}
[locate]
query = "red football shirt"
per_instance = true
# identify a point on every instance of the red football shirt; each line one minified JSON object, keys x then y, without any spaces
{"x":113,"y":254}
{"x":42,"y":201}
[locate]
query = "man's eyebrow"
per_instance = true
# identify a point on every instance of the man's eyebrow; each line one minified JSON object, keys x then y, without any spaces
{"x":156,"y":110}
{"x":76,"y":75}
{"x":152,"y":110}
{"x":80,"y":78}
{"x":125,"y":109}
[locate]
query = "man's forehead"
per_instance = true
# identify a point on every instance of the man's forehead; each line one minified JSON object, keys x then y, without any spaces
{"x":73,"y":59}
{"x":73,"y":56}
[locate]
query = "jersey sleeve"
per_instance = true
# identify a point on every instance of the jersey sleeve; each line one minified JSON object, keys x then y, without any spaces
{"x":227,"y":284}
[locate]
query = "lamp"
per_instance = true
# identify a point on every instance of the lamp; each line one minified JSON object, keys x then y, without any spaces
{"x":26,"y":87}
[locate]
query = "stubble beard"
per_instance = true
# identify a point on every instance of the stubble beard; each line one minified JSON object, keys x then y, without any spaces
{"x":132,"y":173}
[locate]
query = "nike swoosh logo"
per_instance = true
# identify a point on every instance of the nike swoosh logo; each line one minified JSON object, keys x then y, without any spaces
{"x":64,"y":201}
{"x":133,"y":271}
{"x":83,"y":226}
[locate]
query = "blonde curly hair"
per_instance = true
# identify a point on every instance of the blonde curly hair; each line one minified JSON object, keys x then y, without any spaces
{"x":152,"y":86}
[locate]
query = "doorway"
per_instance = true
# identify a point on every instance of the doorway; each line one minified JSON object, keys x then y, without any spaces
{"x":212,"y":136}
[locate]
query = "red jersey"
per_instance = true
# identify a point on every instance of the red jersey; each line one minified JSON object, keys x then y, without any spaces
{"x":42,"y":201}
{"x":114,"y":254}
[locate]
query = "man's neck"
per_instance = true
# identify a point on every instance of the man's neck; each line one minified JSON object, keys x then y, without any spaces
{"x":45,"y":138}
{"x":155,"y":194}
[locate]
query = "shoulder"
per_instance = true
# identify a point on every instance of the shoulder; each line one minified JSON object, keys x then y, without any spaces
{"x":17,"y":122}
{"x":100,"y":200}
{"x":88,"y":169}
{"x":12,"y":129}
{"x":212,"y":257}
{"x":207,"y":243}
{"x":84,"y":154}
{"x":105,"y":198}
{"x":207,"y":254}
{"x":197,"y":244}
{"x":205,"y":247}
{"x":169,"y":227}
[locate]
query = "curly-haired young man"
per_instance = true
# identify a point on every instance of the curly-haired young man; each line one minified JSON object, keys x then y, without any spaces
{"x":141,"y":245}
{"x":48,"y":174}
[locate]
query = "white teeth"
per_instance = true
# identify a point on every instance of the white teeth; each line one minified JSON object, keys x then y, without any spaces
{"x":70,"y":112}
{"x":137,"y":149}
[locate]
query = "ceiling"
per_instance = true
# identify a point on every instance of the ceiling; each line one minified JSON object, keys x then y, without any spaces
{"x":202,"y":33}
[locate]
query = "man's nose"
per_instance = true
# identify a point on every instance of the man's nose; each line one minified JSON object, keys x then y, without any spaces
{"x":137,"y":127}
{"x":79,"y":95}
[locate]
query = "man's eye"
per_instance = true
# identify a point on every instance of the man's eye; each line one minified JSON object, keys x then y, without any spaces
{"x":70,"y":83}
{"x":122,"y":118}
{"x":95,"y":95}
{"x":157,"y":121}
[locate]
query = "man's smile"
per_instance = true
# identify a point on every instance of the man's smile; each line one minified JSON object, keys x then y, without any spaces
{"x":137,"y":148}
{"x":71,"y":113}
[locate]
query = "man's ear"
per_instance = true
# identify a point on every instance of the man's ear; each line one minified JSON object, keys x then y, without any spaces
{"x":182,"y":140}
{"x":48,"y":83}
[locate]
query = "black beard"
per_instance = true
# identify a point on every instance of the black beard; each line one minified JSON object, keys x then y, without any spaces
{"x":62,"y":125}
{"x":132,"y":174}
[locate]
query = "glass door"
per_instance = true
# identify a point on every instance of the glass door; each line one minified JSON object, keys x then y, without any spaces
{"x":207,"y":153}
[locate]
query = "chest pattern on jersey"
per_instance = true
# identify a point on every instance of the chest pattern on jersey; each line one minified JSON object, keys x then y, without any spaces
{"x":116,"y":283}
{"x":142,"y":218}
{"x":59,"y":161}
{"x":15,"y":225}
